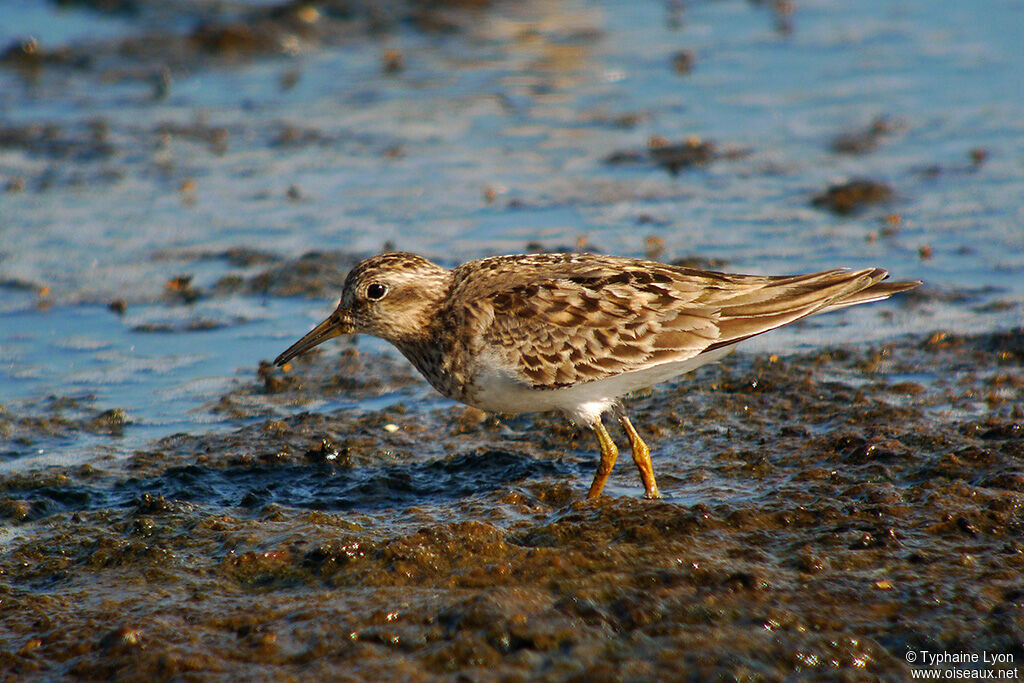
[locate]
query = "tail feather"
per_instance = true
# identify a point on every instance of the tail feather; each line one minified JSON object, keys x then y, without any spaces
{"x":784,"y":300}
{"x":876,"y":292}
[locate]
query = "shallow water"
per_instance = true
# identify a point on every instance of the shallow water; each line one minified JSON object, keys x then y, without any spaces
{"x":524,"y":103}
{"x":164,"y":190}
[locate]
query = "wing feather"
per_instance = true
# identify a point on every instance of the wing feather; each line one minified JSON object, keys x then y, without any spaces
{"x":562,"y":319}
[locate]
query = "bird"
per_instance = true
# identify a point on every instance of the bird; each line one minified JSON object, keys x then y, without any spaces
{"x":573,"y":332}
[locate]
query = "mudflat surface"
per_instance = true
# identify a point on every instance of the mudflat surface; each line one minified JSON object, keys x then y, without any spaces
{"x":183,"y":187}
{"x":824,"y":513}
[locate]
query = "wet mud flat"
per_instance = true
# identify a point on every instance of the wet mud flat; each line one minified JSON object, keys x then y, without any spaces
{"x":825,"y":513}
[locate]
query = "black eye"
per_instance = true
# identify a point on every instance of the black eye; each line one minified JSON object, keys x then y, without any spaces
{"x":376,"y":291}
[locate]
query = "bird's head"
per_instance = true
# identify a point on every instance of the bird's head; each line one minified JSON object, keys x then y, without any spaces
{"x":393,"y":296}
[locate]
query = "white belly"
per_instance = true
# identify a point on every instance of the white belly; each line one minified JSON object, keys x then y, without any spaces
{"x":495,"y":388}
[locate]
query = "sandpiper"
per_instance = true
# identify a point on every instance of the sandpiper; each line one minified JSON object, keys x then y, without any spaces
{"x":573,"y":332}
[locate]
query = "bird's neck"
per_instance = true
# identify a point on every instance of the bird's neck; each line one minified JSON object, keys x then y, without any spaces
{"x":429,"y":355}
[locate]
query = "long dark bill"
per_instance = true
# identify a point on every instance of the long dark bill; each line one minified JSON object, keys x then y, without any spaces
{"x":334,"y":326}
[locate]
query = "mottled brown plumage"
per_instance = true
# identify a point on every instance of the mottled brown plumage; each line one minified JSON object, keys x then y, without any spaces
{"x":572,"y":332}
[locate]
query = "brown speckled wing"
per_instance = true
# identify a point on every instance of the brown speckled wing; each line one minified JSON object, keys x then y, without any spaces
{"x":564,"y":319}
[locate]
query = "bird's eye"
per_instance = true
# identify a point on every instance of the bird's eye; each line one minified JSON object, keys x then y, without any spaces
{"x":376,"y":291}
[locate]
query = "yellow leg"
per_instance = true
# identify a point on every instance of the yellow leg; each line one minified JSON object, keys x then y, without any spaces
{"x":642,"y":458}
{"x":608,"y":455}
